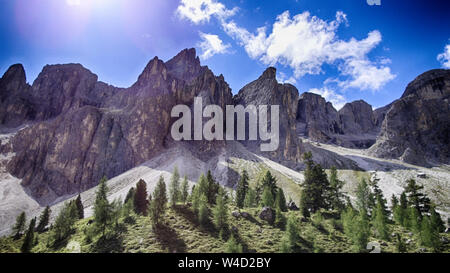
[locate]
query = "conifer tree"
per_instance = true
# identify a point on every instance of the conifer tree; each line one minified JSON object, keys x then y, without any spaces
{"x":212,"y":188}
{"x":250,"y":198}
{"x":362,"y":231}
{"x":44,"y":219}
{"x":280,"y":200}
{"x":316,"y":187}
{"x":184,"y":190}
{"x":267,"y":198}
{"x":241,"y":190}
{"x":394,"y":202}
{"x":416,"y":198}
{"x":174,"y":189}
{"x":102,"y":207}
{"x":280,"y":219}
{"x":19,"y":225}
{"x":268,"y":181}
{"x":233,"y":246}
{"x":140,"y":198}
{"x":29,"y":238}
{"x":220,"y":214}
{"x":380,"y":222}
{"x":336,"y":186}
{"x":159,"y":202}
{"x":303,"y":204}
{"x":436,"y":220}
{"x":64,"y":222}
{"x":428,"y":236}
{"x":130,"y":196}
{"x":291,"y":236}
{"x":413,"y":219}
{"x":363,"y":196}
{"x":401,"y":211}
{"x":80,"y":207}
{"x":203,"y":211}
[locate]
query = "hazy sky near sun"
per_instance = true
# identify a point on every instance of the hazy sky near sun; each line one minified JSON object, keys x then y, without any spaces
{"x":345,"y":50}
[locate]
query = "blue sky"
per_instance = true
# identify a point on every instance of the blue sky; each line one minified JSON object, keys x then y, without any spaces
{"x":345,"y":50}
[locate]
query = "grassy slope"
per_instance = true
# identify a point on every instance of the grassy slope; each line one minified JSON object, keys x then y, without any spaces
{"x":181,"y":233}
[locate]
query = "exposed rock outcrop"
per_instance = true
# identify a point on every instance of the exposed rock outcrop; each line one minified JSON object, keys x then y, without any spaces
{"x":84,"y":129}
{"x":353,"y":126}
{"x":416,"y":129}
{"x":267,"y":91}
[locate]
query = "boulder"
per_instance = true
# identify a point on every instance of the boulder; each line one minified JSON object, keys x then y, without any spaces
{"x":292,"y":206}
{"x":267,"y":214}
{"x":236,"y":214}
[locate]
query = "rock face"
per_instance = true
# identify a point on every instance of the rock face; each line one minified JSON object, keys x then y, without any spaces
{"x":317,"y":119}
{"x":416,"y":129}
{"x":353,"y":126}
{"x":16,"y":103}
{"x":83,"y":129}
{"x":267,"y":91}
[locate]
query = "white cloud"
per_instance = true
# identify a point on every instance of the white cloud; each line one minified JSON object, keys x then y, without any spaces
{"x":200,"y":11}
{"x":211,"y":45}
{"x":302,"y":42}
{"x":444,"y":57}
{"x":337,"y":100}
{"x":283,"y":78}
{"x":305,"y":43}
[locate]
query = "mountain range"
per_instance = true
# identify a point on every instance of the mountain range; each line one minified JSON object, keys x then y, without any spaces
{"x":63,"y":133}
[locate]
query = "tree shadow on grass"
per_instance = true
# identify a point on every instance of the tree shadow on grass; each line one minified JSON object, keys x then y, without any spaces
{"x":168,"y":237}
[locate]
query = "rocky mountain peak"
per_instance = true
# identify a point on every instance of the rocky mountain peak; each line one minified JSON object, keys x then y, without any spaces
{"x":15,"y":73}
{"x":437,"y":79}
{"x":269,"y":73}
{"x":185,"y":65}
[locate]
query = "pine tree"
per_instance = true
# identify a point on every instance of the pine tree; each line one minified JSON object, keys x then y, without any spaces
{"x":413,"y":219}
{"x":380,"y":222}
{"x":303,"y":204}
{"x":416,"y":198}
{"x":233,"y":246}
{"x":241,"y":190}
{"x":63,"y":225}
{"x":44,"y":219}
{"x":401,"y":211}
{"x":174,"y":188}
{"x":20,"y":225}
{"x":267,"y":198}
{"x":159,"y":202}
{"x":336,"y":186}
{"x":220,"y":214}
{"x":102,"y":207}
{"x":316,"y":187}
{"x":130,"y":196}
{"x":280,"y":200}
{"x":203,"y":211}
{"x":362,"y":231}
{"x":184,"y":190}
{"x":394,"y":202}
{"x":268,"y":181}
{"x":291,"y":236}
{"x":436,"y":220}
{"x":363,"y":196}
{"x":250,"y":198}
{"x":29,"y":238}
{"x":80,"y":207}
{"x":212,"y":188}
{"x":280,"y":219}
{"x":140,"y":198}
{"x":428,"y":236}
